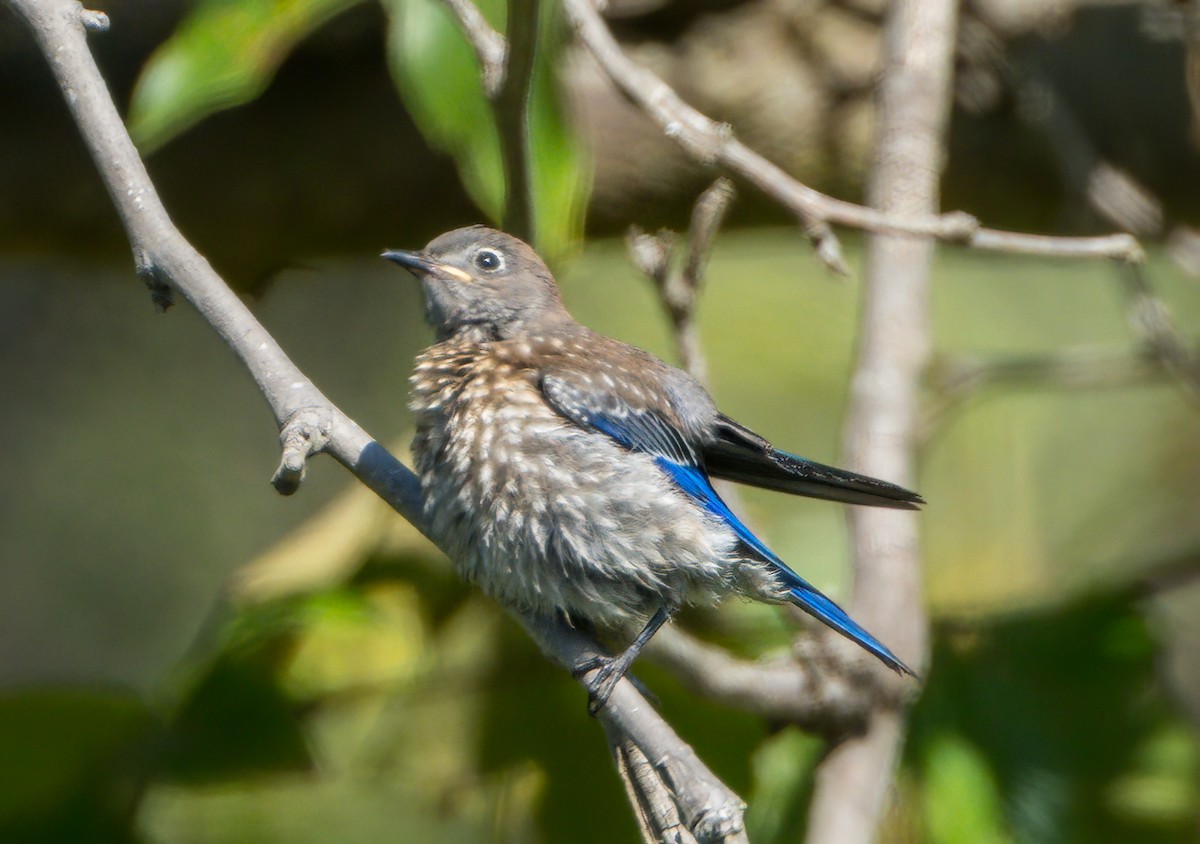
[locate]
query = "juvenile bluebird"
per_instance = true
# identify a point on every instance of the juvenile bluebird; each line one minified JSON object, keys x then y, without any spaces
{"x":566,"y":472}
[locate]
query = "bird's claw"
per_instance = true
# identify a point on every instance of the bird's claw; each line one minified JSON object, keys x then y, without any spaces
{"x":599,"y":675}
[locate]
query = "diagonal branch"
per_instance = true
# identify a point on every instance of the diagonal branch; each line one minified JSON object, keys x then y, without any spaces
{"x":309,"y":422}
{"x":488,"y":44}
{"x":713,"y":143}
{"x":1151,"y":321}
{"x":814,"y":688}
{"x":709,"y":810}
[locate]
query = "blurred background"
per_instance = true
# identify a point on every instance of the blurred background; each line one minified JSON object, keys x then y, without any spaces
{"x":185,"y":656}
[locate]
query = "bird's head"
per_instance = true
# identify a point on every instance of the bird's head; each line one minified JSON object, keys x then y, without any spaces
{"x":483,"y":278}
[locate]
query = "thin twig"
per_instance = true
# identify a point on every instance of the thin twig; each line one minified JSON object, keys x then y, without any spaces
{"x":954,"y":380}
{"x":307,"y":419}
{"x":1117,"y":247}
{"x":707,"y":215}
{"x":1151,"y":320}
{"x":682,"y":292}
{"x":489,"y":45}
{"x":1115,"y":195}
{"x":1111,"y":192}
{"x":678,"y":280}
{"x":712,"y":143}
{"x":507,"y":63}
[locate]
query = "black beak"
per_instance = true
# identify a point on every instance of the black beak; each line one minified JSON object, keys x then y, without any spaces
{"x":420,"y":265}
{"x":414,"y":261}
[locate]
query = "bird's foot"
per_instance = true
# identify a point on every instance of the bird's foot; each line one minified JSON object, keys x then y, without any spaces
{"x":600,"y":675}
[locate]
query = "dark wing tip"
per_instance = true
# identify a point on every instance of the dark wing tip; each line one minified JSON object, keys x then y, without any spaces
{"x":902,"y":669}
{"x":738,"y":454}
{"x":873,"y":491}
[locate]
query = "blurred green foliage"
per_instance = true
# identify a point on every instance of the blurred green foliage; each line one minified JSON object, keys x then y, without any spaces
{"x":439,"y":78}
{"x":226,"y":52}
{"x":223,"y":55}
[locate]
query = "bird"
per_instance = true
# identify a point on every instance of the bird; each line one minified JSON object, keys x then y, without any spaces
{"x":569,"y":474}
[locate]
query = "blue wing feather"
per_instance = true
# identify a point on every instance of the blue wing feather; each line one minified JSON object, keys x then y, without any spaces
{"x":692,"y":480}
{"x":650,"y":432}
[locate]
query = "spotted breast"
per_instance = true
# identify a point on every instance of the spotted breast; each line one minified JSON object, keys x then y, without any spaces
{"x":542,"y":513}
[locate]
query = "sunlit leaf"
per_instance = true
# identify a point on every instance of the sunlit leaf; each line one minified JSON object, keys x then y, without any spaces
{"x":961,"y":797}
{"x":439,"y":80}
{"x":224,"y":54}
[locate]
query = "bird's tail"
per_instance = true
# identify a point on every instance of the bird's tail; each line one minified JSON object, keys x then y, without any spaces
{"x":822,"y":608}
{"x":692,"y":480}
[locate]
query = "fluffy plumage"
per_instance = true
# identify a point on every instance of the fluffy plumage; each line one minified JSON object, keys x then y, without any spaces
{"x":567,"y":472}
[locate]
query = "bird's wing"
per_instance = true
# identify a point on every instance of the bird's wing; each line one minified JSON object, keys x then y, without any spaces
{"x":652,"y":431}
{"x":739,"y":454}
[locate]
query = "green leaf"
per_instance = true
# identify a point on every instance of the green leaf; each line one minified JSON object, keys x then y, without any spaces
{"x":236,"y":721}
{"x":70,"y":763}
{"x":1053,"y":723}
{"x":962,"y":800}
{"x":224,"y":54}
{"x":439,"y":79}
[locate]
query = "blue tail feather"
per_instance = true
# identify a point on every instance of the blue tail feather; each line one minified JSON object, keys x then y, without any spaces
{"x":692,"y":480}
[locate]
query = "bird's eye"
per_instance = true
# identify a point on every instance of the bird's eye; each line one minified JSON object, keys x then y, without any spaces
{"x":489,"y":260}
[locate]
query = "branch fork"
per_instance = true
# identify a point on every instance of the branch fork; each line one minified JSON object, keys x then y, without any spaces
{"x":305,"y":433}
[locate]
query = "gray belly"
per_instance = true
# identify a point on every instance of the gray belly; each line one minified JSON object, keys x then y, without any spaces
{"x":544,"y":515}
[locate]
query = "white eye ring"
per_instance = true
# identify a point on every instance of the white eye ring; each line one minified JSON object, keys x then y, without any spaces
{"x":489,"y":260}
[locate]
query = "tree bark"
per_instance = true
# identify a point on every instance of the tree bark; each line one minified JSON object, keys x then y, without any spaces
{"x":881,"y":430}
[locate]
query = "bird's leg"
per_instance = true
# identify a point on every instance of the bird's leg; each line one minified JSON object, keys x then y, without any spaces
{"x":610,"y":669}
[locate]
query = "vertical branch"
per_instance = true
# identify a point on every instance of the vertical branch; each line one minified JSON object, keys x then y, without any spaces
{"x":511,"y":107}
{"x":679,"y":287}
{"x":507,"y":62}
{"x":682,"y":293}
{"x":881,"y":429}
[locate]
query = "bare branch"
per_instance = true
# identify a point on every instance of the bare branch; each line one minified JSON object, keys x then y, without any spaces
{"x":1111,"y":192}
{"x":681,"y":291}
{"x":1151,"y":320}
{"x":652,"y":253}
{"x":895,"y":340}
{"x":655,"y":810}
{"x":954,"y":380}
{"x":490,"y":47}
{"x":1183,"y":241}
{"x":707,"y":807}
{"x":817,"y":689}
{"x":714,"y":144}
{"x":707,"y":216}
{"x":508,"y":62}
{"x":1117,"y":247}
{"x":308,"y":420}
{"x":678,"y":281}
{"x":511,"y":107}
